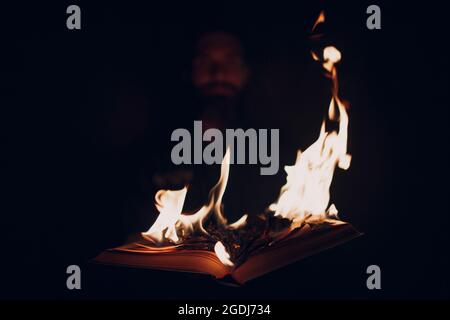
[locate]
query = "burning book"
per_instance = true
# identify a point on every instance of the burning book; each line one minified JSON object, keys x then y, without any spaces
{"x":240,"y":254}
{"x":300,"y":223}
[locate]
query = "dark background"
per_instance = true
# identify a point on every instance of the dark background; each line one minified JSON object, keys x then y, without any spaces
{"x":77,"y":102}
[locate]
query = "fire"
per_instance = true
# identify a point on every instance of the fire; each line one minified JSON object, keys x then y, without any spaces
{"x":306,"y":192}
{"x":305,"y":195}
{"x":172,"y":221}
{"x":320,"y":19}
{"x":222,"y":254}
{"x":169,"y":204}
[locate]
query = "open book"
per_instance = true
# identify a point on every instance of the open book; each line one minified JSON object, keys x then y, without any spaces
{"x":257,"y":260}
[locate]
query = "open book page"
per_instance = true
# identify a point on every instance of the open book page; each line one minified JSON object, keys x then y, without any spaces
{"x":173,"y":258}
{"x":306,"y":241}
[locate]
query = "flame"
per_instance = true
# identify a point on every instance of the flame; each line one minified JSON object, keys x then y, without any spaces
{"x":320,"y":19}
{"x":314,"y":56}
{"x":171,"y":221}
{"x":169,"y":204}
{"x":222,"y":254}
{"x":217,"y":192}
{"x":331,"y":56}
{"x":306,"y":192}
{"x":239,"y":223}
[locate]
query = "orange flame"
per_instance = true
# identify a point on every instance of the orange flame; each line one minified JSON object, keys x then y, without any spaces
{"x":320,"y":19}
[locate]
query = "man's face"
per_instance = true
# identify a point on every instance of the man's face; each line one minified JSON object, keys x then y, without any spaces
{"x":218,"y":67}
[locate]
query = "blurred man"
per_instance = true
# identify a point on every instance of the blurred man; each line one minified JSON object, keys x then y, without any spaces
{"x":219,"y":74}
{"x":219,"y":68}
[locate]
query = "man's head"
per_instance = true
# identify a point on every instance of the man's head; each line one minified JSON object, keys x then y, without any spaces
{"x":218,"y":68}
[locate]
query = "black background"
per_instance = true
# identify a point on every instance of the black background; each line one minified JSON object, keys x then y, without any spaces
{"x":62,"y":191}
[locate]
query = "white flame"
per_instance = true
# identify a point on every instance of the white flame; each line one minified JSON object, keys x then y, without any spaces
{"x":222,"y":254}
{"x":307,"y":190}
{"x":171,"y":220}
{"x":169,"y":204}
